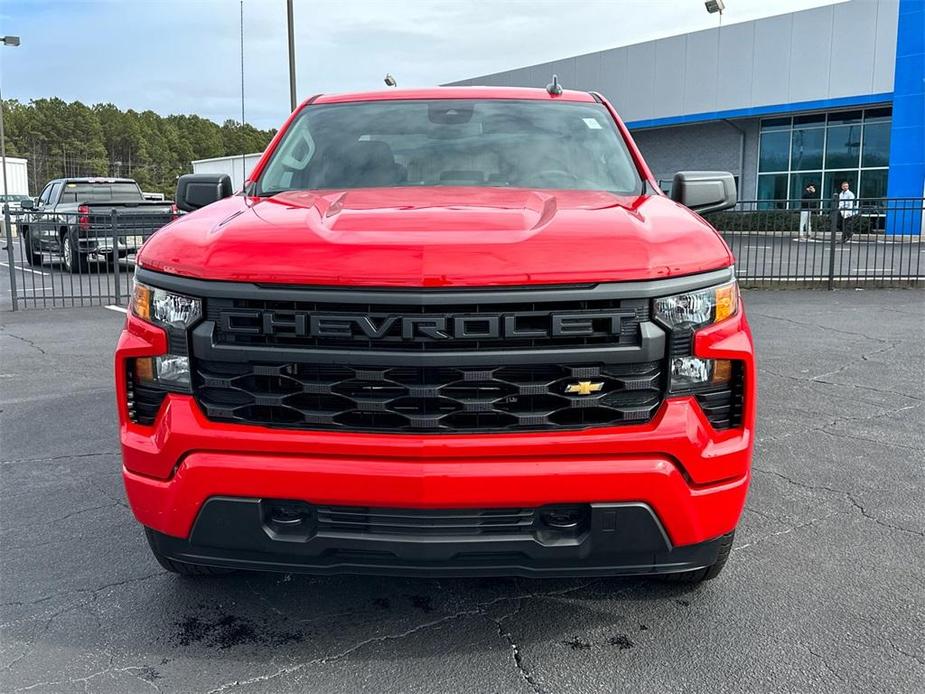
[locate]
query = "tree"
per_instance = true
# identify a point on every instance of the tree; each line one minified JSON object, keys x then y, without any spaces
{"x":71,"y":139}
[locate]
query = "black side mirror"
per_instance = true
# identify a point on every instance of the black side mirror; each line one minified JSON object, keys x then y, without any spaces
{"x":195,"y":191}
{"x":27,"y":204}
{"x":704,"y":191}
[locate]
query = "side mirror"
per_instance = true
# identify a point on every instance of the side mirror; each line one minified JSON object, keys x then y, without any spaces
{"x":195,"y":191}
{"x":27,"y":204}
{"x":704,"y":191}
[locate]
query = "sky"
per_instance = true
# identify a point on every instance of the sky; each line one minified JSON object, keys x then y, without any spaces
{"x":183,"y":56}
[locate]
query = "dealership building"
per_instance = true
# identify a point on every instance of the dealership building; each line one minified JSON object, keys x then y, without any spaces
{"x":823,"y":95}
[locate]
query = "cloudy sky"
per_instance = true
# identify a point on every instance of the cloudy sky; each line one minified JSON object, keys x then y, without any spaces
{"x":183,"y":56}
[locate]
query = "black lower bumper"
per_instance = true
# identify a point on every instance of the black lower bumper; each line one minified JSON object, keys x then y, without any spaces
{"x":590,"y":540}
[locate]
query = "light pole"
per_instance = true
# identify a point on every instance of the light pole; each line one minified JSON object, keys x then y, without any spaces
{"x":292,"y":95}
{"x":6,"y":41}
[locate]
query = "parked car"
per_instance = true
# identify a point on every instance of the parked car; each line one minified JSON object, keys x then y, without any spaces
{"x":73,"y":218}
{"x":14,"y":201}
{"x":454,"y":331}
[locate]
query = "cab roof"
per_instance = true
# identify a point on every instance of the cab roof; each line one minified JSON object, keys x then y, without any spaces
{"x":523,"y":93}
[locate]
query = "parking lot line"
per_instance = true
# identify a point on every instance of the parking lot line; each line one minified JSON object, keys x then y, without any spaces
{"x":113,"y":307}
{"x":21,"y":267}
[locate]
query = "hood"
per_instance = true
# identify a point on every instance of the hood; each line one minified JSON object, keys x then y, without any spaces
{"x":437,"y":236}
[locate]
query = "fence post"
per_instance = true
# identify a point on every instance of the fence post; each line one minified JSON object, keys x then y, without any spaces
{"x":115,"y":256}
{"x":833,"y":230}
{"x":10,"y":260}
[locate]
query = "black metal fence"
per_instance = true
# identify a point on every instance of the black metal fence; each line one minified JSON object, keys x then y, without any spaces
{"x":861,"y":243}
{"x":71,"y":259}
{"x":60,"y":260}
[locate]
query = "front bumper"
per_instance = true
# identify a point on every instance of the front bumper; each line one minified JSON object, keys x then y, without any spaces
{"x":691,"y":479}
{"x":612,"y":539}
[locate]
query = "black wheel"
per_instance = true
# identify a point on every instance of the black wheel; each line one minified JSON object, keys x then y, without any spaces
{"x":707,"y":572}
{"x":182,"y":568}
{"x":74,"y":260}
{"x":32,"y":257}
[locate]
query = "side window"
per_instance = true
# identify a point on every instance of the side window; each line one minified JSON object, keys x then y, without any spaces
{"x":53,"y":193}
{"x":46,"y":195}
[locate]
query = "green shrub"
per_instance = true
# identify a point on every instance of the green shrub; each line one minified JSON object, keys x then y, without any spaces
{"x":779,"y":220}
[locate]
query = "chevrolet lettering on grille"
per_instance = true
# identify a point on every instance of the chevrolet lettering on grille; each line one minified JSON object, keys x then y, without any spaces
{"x":481,"y":326}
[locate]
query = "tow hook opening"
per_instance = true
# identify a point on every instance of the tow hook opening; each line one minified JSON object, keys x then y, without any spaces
{"x":566,"y":518}
{"x":283,"y":516}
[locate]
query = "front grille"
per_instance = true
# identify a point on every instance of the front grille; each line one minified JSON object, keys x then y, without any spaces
{"x":356,"y":520}
{"x":428,"y":399}
{"x":261,"y":322}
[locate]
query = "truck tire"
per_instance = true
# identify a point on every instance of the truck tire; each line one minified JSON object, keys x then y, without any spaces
{"x":182,"y":568}
{"x":707,"y":572}
{"x":74,"y":260}
{"x":34,"y":259}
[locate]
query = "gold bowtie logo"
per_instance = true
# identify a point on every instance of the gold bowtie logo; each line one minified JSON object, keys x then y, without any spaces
{"x":584,"y":387}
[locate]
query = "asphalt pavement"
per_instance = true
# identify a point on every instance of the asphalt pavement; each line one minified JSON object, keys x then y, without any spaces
{"x":823,"y":591}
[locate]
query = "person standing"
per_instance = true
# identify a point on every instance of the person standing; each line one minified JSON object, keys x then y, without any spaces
{"x":807,"y":203}
{"x":847,"y":209}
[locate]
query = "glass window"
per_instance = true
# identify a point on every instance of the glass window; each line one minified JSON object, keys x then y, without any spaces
{"x":45,"y":195}
{"x":53,"y":193}
{"x":806,"y":150}
{"x":879,"y":114}
{"x":774,"y":151}
{"x":824,"y":148}
{"x":876,"y":144}
{"x":799,"y":181}
{"x":775,"y":123}
{"x":844,"y":117}
{"x":873,"y":183}
{"x":817,"y":119}
{"x":518,"y":144}
{"x":843,"y":147}
{"x":772,"y":187}
{"x":831,"y":185}
{"x":101,"y":192}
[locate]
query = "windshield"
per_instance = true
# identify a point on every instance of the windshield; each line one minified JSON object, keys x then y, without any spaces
{"x":100,"y":192}
{"x":523,"y":144}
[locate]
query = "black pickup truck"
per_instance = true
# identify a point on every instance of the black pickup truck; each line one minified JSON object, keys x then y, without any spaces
{"x":73,"y":219}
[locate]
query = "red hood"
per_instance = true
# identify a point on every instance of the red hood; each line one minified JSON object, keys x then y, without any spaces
{"x":437,"y":237}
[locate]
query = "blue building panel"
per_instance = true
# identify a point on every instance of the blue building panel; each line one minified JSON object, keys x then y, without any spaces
{"x":907,"y":135}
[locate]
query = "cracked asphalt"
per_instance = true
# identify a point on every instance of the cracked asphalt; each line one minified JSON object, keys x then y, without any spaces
{"x":824,"y":592}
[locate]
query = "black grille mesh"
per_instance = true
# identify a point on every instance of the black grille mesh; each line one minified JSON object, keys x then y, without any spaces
{"x":357,"y":520}
{"x":724,"y":406}
{"x":428,"y":399}
{"x":143,"y":401}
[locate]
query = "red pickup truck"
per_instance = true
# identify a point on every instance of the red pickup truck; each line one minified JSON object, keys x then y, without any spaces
{"x":448,"y":331}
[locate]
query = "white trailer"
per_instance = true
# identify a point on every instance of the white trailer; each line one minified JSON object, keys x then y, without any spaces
{"x":16,"y":175}
{"x":237,"y":166}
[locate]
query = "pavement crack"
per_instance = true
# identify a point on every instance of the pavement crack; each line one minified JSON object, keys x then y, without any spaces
{"x":476,"y":610}
{"x":825,"y":664}
{"x":846,"y":494}
{"x":516,"y":655}
{"x":23,"y":339}
{"x":785,"y":531}
{"x":920,"y":660}
{"x":51,"y":459}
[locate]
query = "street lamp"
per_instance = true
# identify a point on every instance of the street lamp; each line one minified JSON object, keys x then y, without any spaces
{"x":6,"y":41}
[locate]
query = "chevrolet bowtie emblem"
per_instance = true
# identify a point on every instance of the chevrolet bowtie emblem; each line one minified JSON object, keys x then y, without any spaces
{"x":584,"y":388}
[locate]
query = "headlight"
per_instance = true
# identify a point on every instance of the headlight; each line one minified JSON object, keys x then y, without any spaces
{"x":164,"y":308}
{"x":699,"y":308}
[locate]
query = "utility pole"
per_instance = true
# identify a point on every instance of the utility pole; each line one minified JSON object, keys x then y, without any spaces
{"x":6,"y":41}
{"x":293,"y":100}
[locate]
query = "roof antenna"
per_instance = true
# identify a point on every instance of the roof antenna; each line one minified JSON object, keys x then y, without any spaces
{"x":389,"y":80}
{"x":554,"y":88}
